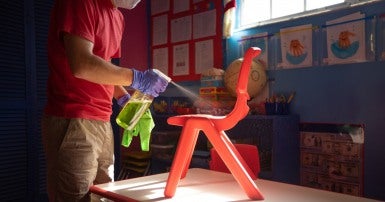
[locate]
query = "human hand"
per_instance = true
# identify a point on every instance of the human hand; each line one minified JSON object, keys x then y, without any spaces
{"x":344,"y":40}
{"x":123,"y":100}
{"x":296,"y":47}
{"x":148,"y":82}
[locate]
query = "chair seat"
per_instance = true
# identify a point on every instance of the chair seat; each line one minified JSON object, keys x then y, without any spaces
{"x":181,"y":119}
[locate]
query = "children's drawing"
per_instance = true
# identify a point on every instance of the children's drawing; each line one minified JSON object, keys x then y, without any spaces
{"x":296,"y":55}
{"x":343,"y":48}
{"x":346,"y":39}
{"x":296,"y":46}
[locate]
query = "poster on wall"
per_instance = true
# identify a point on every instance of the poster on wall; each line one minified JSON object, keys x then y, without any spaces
{"x":160,"y":59}
{"x":159,"y":27}
{"x":204,"y":56}
{"x":159,"y":6}
{"x":181,"y":5}
{"x":204,"y":24}
{"x":181,"y":29}
{"x":296,"y":46}
{"x":259,"y":40}
{"x":346,"y":39}
{"x":181,"y":60}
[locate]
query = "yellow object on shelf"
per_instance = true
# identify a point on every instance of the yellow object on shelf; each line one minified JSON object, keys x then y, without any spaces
{"x":213,"y":90}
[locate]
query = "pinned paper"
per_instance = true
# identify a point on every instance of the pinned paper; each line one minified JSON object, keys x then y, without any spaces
{"x":346,"y":39}
{"x":296,"y":46}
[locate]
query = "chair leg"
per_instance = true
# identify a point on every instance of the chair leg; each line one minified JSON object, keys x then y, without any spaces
{"x":193,"y":143}
{"x":147,"y":171}
{"x":182,"y":158}
{"x":233,"y":161}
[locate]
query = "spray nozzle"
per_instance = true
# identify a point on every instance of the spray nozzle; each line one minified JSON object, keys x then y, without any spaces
{"x":161,"y":74}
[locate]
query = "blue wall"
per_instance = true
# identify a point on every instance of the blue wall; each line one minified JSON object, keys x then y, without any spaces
{"x":345,"y":93}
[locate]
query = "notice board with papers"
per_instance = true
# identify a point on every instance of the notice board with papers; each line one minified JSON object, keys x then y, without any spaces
{"x":186,"y":37}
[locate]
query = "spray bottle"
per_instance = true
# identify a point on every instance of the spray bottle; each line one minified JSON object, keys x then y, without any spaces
{"x":136,"y":106}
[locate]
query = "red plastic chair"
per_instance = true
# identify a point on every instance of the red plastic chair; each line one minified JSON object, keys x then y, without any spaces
{"x":214,"y":128}
{"x":249,"y":153}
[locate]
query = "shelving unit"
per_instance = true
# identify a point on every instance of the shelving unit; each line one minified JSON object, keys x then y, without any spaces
{"x":332,"y":159}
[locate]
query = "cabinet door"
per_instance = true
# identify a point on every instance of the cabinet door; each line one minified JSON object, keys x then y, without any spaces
{"x":286,"y":150}
{"x":331,"y":160}
{"x":277,"y":139}
{"x":259,"y":132}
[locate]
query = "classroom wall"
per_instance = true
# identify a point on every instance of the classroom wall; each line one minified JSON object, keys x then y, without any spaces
{"x":135,"y":41}
{"x":344,"y":93}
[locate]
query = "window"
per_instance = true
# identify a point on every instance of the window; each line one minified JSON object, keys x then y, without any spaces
{"x":254,"y":12}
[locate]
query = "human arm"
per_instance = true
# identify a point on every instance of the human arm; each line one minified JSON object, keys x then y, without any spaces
{"x":119,"y":91}
{"x":121,"y":95}
{"x":86,"y":65}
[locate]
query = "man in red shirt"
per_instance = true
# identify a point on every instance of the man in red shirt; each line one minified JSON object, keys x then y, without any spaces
{"x":84,"y":36}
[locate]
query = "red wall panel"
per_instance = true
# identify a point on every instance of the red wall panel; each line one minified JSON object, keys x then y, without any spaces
{"x":135,"y":38}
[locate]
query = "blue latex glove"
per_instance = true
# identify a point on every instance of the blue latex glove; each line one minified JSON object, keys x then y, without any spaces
{"x":123,"y":100}
{"x":148,"y":82}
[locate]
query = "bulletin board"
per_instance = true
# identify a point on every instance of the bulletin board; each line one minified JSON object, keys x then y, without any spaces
{"x":186,"y":37}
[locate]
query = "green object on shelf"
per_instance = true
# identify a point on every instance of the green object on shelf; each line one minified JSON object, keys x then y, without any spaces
{"x":143,"y":128}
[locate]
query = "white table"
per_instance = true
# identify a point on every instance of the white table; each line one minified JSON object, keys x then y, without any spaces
{"x":202,"y":185}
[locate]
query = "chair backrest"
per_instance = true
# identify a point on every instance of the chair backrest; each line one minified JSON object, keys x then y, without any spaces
{"x":248,"y":152}
{"x":241,"y":109}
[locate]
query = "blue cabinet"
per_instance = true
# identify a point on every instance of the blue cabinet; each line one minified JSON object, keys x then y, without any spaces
{"x":277,"y":138}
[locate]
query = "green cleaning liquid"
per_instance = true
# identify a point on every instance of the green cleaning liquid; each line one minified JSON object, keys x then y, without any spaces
{"x":131,"y":113}
{"x":136,"y":106}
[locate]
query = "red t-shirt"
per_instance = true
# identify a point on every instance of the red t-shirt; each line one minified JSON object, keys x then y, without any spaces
{"x":99,"y":22}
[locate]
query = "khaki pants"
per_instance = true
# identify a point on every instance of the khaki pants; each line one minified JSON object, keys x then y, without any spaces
{"x":79,"y":153}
